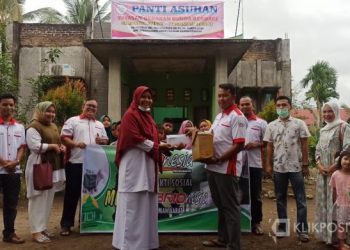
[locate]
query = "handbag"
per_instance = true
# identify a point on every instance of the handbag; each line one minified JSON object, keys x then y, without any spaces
{"x":42,"y":174}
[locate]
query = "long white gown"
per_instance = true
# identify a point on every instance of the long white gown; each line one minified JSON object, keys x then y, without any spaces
{"x":136,"y":221}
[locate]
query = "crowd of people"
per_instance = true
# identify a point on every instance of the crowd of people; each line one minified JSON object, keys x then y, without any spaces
{"x":241,"y":141}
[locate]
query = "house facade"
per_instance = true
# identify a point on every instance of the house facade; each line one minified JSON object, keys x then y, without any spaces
{"x":184,"y":74}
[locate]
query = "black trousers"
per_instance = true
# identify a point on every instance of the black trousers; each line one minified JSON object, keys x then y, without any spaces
{"x":10,"y":184}
{"x":225,"y":194}
{"x":255,"y":194}
{"x":72,"y":193}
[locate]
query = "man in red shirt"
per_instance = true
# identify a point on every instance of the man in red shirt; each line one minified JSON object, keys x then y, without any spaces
{"x":12,"y":145}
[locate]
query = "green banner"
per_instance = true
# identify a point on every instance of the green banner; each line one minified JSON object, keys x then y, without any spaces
{"x":184,"y":201}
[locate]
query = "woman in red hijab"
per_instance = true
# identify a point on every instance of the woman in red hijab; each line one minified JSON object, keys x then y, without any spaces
{"x":139,"y":160}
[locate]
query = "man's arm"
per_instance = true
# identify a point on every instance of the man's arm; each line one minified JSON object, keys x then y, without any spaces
{"x":10,"y":166}
{"x":305,"y":155}
{"x":68,"y":142}
{"x":20,"y":153}
{"x":269,"y":155}
{"x":304,"y":151}
{"x":2,"y":162}
{"x":232,"y":151}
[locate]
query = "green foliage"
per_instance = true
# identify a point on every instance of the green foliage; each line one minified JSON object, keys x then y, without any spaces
{"x":10,"y":10}
{"x":269,"y":112}
{"x":323,"y":79}
{"x":43,"y":82}
{"x":68,"y":98}
{"x":52,"y":56}
{"x":313,"y":139}
{"x":44,"y":15}
{"x":8,"y":81}
{"x":78,"y":12}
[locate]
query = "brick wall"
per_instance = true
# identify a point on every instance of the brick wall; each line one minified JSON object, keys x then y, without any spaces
{"x":51,"y":35}
{"x":264,"y":50}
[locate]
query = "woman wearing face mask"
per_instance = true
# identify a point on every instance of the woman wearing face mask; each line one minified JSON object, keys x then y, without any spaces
{"x":139,"y":160}
{"x":334,"y":137}
{"x":43,"y":141}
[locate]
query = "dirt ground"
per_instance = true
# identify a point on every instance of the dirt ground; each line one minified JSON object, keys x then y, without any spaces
{"x":169,"y":241}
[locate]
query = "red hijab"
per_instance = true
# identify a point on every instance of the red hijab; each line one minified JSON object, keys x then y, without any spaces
{"x":137,"y":126}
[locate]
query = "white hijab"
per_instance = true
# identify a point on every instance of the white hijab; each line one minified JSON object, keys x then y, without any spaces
{"x":337,"y":121}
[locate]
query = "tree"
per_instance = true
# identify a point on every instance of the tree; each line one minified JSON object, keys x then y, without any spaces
{"x":10,"y":10}
{"x":39,"y":85}
{"x":269,"y":112}
{"x":8,"y":81}
{"x":79,"y":12}
{"x":68,"y":98}
{"x":323,"y":79}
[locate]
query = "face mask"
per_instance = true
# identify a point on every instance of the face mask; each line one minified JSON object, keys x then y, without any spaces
{"x":144,"y":109}
{"x":283,"y":113}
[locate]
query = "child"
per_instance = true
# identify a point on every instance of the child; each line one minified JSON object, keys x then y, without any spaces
{"x":115,"y":132}
{"x":340,"y":182}
{"x":161,"y":133}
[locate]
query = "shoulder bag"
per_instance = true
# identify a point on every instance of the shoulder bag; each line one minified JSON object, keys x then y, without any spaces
{"x":42,"y":174}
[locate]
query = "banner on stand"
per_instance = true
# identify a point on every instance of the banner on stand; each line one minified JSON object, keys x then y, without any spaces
{"x":184,"y":201}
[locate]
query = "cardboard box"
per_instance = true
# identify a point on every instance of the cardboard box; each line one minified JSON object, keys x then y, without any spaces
{"x":202,"y":146}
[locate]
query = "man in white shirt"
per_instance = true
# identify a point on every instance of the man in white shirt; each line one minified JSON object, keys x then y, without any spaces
{"x":77,"y":132}
{"x":287,"y":158}
{"x":12,"y":146}
{"x":229,"y":129}
{"x":253,"y":157}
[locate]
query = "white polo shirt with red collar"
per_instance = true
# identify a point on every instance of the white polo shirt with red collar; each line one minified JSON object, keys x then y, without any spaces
{"x":229,"y":127}
{"x":255,"y":133}
{"x":12,"y":137}
{"x":82,"y":129}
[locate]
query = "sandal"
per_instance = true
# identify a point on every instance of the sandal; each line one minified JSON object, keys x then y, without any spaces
{"x":304,"y":238}
{"x":41,"y":238}
{"x":48,"y":233}
{"x":65,"y":231}
{"x":257,"y":229}
{"x":213,"y":243}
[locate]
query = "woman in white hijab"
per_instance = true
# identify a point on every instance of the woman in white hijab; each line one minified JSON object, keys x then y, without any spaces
{"x":334,"y":136}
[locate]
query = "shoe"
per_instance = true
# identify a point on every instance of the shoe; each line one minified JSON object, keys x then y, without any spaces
{"x":41,"y":238}
{"x":304,"y":238}
{"x":65,"y":231}
{"x":213,"y":243}
{"x":48,"y":233}
{"x":257,"y":229}
{"x":14,"y":239}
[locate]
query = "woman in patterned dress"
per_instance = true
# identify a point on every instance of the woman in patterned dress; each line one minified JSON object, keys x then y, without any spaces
{"x":334,"y":136}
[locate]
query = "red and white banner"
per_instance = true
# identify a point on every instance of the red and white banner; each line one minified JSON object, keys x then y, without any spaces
{"x":167,"y":20}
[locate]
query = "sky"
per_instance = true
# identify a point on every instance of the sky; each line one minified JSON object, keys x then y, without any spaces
{"x":317,"y":29}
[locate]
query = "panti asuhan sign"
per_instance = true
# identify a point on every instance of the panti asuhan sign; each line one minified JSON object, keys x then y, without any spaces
{"x":167,"y":20}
